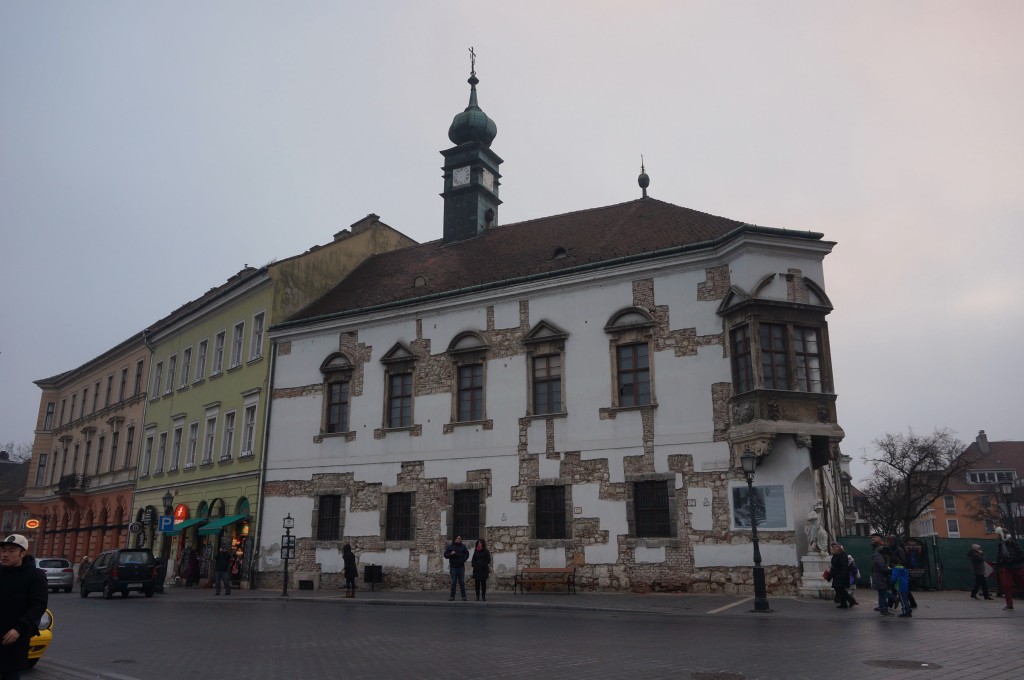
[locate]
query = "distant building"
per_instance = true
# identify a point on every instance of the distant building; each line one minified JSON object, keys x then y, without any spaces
{"x":13,"y":476}
{"x":577,"y":389}
{"x":974,"y":504}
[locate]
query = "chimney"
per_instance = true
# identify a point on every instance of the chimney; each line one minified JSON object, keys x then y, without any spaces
{"x":982,"y":441}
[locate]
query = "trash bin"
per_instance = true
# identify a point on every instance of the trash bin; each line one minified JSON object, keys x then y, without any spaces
{"x":372,"y":574}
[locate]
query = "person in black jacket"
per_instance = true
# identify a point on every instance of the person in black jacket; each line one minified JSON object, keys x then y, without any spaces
{"x":348,"y":559}
{"x":840,"y":572}
{"x":481,"y":567}
{"x":457,"y":554}
{"x":23,"y":597}
{"x":977,"y":559}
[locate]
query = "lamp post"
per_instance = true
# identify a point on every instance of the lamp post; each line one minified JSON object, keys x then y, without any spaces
{"x":287,"y":548}
{"x":749,"y":461}
{"x":1006,"y":488}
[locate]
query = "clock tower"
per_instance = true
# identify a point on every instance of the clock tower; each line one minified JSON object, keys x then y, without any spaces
{"x":470,"y":171}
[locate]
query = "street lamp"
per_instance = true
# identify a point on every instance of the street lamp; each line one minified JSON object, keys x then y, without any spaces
{"x":1006,"y":488}
{"x":749,"y":462}
{"x":287,"y":548}
{"x":165,"y":548}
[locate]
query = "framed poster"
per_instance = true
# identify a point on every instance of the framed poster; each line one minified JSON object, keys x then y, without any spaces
{"x":769,"y":507}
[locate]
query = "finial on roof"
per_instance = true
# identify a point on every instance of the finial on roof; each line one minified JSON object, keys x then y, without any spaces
{"x":643,"y":180}
{"x":472,"y":125}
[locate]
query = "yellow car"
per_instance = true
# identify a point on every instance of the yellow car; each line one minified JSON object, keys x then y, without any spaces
{"x":38,"y":644}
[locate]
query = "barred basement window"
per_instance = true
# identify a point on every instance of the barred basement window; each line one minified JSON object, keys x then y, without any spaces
{"x":328,"y":518}
{"x":466,"y":514}
{"x":651,"y":509}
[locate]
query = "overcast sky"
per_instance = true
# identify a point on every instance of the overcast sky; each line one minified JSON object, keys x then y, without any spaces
{"x":150,"y":150}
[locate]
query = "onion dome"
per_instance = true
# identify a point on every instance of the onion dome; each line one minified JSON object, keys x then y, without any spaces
{"x":472,"y":125}
{"x":643,"y":180}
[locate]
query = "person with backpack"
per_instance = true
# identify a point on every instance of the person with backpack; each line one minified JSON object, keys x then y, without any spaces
{"x":1011,"y":565}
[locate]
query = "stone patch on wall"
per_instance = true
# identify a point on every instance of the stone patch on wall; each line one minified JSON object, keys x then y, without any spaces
{"x":716,"y":285}
{"x":796,"y":289}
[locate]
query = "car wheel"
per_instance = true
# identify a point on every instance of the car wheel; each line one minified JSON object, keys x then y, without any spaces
{"x":107,"y":591}
{"x":82,"y":591}
{"x":124,"y":593}
{"x":31,"y":662}
{"x":67,"y":589}
{"x":148,"y":592}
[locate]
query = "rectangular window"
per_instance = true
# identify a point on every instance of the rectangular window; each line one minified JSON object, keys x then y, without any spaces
{"x":256,"y":343}
{"x":236,"y":344}
{"x":201,"y":361}
{"x":138,"y":377}
{"x":400,"y":400}
{"x":466,"y":514}
{"x":41,"y":470}
{"x":110,"y":388}
{"x":74,"y":400}
{"x":48,"y":420}
{"x":990,"y":526}
{"x":99,"y":453}
{"x":949,"y":502}
{"x":550,"y":512}
{"x":249,"y":432}
{"x":651,"y":509}
{"x":328,"y":518}
{"x":228,"y":440}
{"x":157,"y":375}
{"x":953,"y":527}
{"x":129,"y":443}
{"x":63,"y":403}
{"x":398,"y":524}
{"x":124,"y":384}
{"x":160,"y":453}
{"x":95,"y":396}
{"x":211,"y":439}
{"x":337,"y":406}
{"x":547,"y":384}
{"x":88,"y":456}
{"x":175,"y":449}
{"x":147,"y":456}
{"x":114,"y":439}
{"x":471,"y":392}
{"x":218,"y":353}
{"x":807,"y":349}
{"x":634,"y":375}
{"x":85,"y":398}
{"x":986,"y":502}
{"x":172,"y":369}
{"x":774,"y":356}
{"x":193,"y":442}
{"x":186,"y":366}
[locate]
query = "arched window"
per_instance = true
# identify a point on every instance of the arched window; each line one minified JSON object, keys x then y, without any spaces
{"x":337,"y":372}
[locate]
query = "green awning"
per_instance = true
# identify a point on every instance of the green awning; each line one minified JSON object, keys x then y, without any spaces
{"x":216,"y":525}
{"x":181,"y":526}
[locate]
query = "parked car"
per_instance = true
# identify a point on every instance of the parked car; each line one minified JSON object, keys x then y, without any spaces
{"x":121,"y":571}
{"x":38,"y":644}
{"x":59,"y":573}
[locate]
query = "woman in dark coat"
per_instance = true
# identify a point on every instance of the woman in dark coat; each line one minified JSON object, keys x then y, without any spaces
{"x":840,"y":572}
{"x":481,"y":563}
{"x":350,"y":570}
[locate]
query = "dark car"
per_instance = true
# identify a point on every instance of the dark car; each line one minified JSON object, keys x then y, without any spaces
{"x":121,"y":571}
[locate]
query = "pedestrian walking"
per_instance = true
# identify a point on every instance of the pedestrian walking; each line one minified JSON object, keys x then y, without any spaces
{"x":23,"y":597}
{"x":84,"y":567}
{"x":191,"y":568}
{"x":222,"y":571}
{"x":900,"y":578}
{"x":349,"y":569}
{"x":840,"y":572}
{"x":1011,"y":565}
{"x":481,"y":563}
{"x":981,"y":570}
{"x":880,"y":573}
{"x":899,"y":553}
{"x":457,"y":554}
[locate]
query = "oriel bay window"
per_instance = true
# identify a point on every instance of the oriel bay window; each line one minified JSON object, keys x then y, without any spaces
{"x":790,"y":357}
{"x":337,"y":371}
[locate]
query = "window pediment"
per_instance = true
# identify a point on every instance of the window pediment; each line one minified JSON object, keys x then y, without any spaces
{"x":336,"y":363}
{"x":629,"y":318}
{"x":545,"y":331}
{"x":466,"y":342}
{"x":398,"y":353}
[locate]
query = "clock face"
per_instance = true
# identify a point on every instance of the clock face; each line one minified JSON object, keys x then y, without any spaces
{"x":487,"y":179}
{"x":460,"y":176}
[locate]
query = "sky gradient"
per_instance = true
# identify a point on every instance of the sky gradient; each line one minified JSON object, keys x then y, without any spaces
{"x":150,"y":150}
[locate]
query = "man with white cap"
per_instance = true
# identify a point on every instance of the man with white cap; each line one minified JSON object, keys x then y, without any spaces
{"x":23,"y":596}
{"x":981,"y":570}
{"x":1011,"y":565}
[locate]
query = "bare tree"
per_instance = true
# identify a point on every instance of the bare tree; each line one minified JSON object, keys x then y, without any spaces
{"x":18,"y":453}
{"x":909,"y":472}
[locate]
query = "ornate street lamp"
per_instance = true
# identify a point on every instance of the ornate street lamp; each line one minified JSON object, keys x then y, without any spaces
{"x":165,"y":547}
{"x":1006,"y":488}
{"x":749,"y":461}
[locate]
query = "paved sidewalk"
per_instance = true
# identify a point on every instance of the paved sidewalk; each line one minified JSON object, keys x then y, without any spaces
{"x":943,"y":605}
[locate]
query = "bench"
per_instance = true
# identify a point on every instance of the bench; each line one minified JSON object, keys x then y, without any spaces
{"x":542,"y":576}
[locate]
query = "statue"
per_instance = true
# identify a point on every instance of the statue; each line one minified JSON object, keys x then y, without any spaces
{"x":817,"y":537}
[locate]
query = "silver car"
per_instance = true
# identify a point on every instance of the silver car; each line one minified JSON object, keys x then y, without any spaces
{"x":59,"y":573}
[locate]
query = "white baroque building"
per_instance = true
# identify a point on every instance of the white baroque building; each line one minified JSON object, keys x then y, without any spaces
{"x":576,"y":389}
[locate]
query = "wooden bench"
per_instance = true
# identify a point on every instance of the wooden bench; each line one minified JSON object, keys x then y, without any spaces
{"x":542,"y":576}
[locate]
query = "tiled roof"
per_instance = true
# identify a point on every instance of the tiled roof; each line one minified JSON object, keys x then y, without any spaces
{"x":1001,"y":456}
{"x":514,"y":252}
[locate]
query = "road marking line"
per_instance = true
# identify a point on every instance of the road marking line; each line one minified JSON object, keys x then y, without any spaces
{"x":730,"y":606}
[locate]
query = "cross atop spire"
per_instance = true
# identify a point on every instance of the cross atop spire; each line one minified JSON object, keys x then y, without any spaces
{"x":472,"y":62}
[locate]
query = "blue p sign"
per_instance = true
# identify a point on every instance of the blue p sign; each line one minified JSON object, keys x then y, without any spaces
{"x":166,"y":523}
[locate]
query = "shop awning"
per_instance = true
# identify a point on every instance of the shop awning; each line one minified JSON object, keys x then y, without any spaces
{"x":181,"y":526}
{"x":216,"y":525}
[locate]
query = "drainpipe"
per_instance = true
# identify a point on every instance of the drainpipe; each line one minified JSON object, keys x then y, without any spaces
{"x":263,"y":463}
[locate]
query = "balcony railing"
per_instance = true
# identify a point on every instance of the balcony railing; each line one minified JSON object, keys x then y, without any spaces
{"x":73,"y":482}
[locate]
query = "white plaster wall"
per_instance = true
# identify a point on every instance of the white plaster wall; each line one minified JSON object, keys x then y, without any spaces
{"x":391,"y":557}
{"x":329,"y":559}
{"x":742,"y":555}
{"x":503,"y":563}
{"x":701,"y":518}
{"x":551,"y":557}
{"x":642,"y":555}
